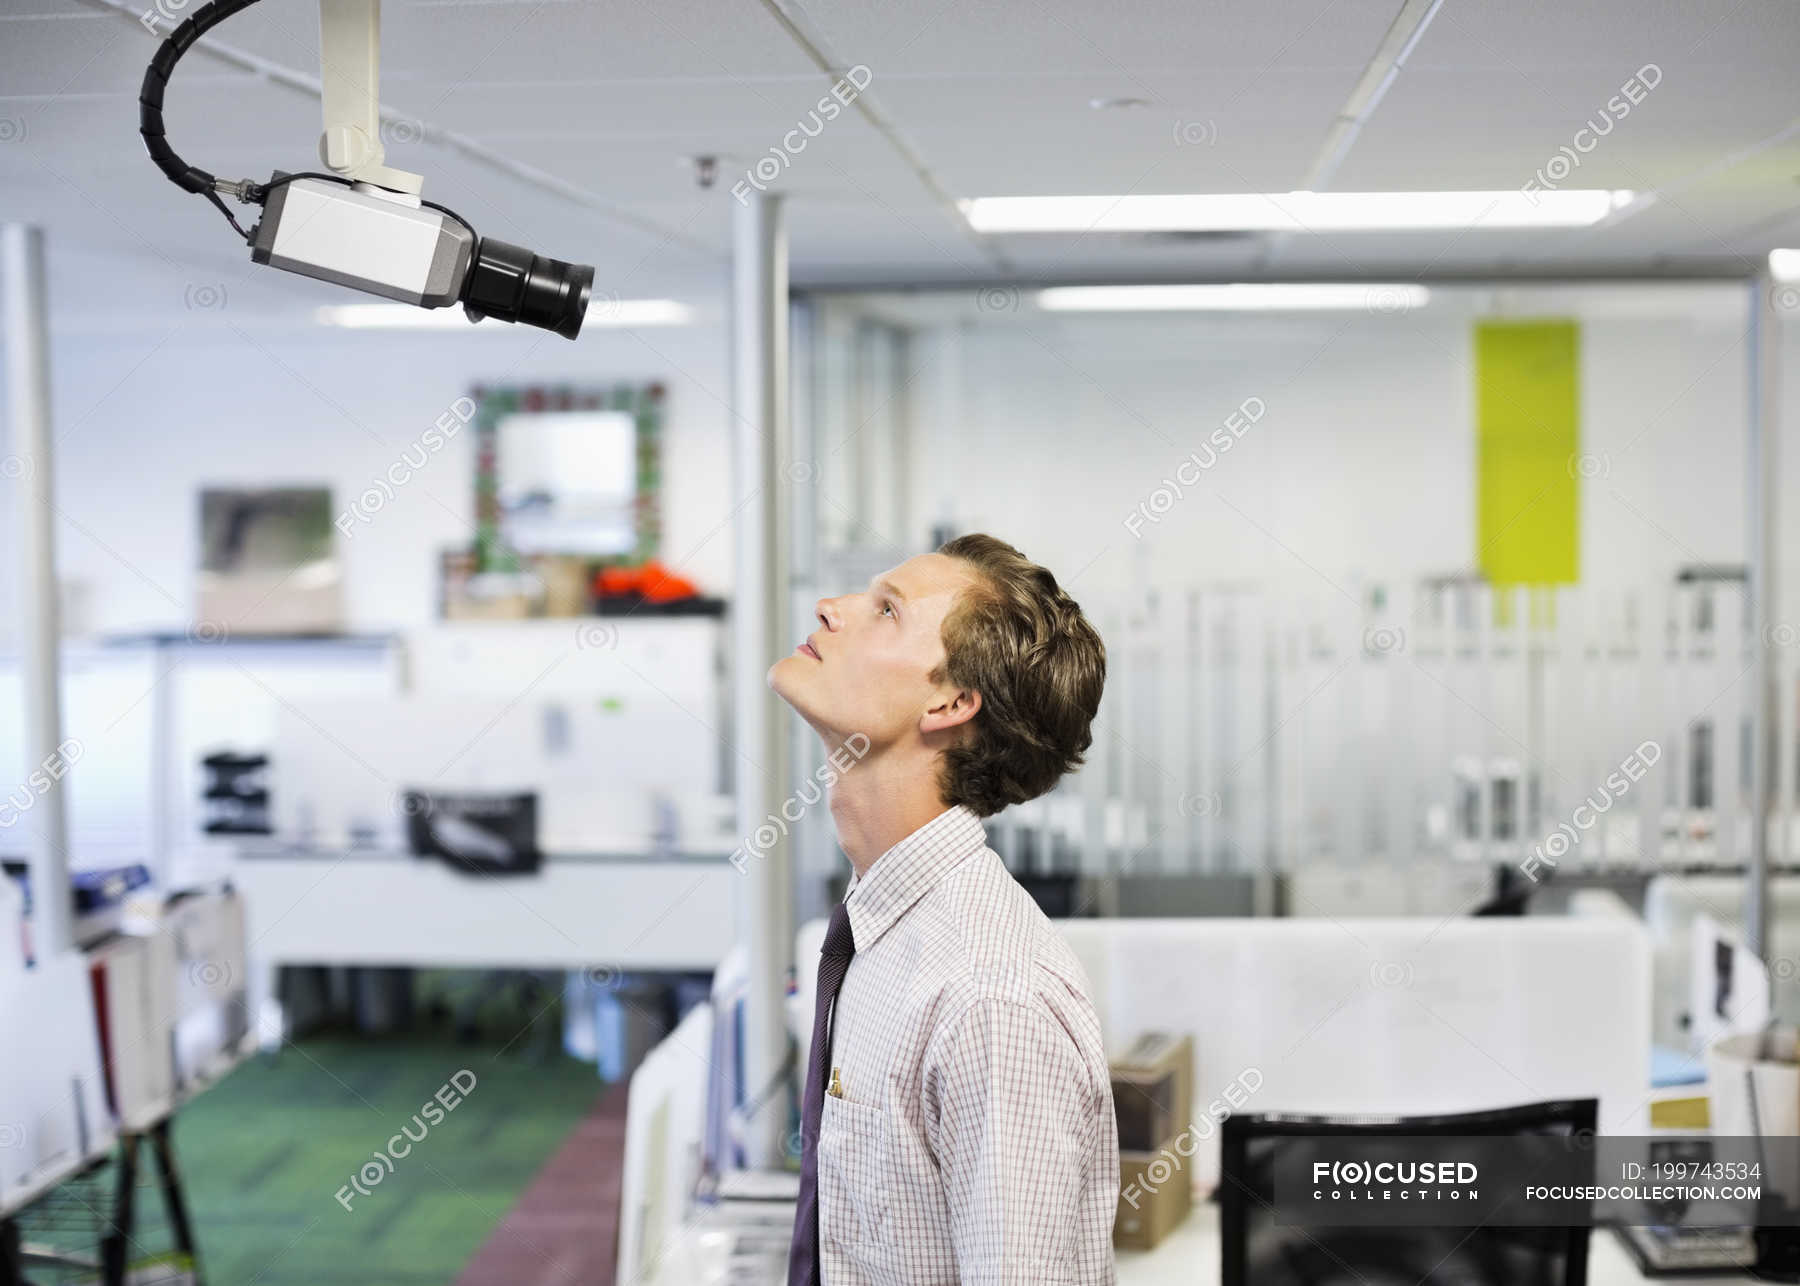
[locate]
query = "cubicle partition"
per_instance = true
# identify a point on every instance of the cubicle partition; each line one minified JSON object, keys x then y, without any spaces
{"x":1389,"y":1016}
{"x":112,"y":1040}
{"x":664,"y":1121}
{"x":54,"y":1117}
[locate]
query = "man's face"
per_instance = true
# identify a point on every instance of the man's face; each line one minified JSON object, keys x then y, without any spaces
{"x":866,"y":668}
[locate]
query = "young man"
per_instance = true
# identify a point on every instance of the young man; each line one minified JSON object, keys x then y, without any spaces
{"x":958,"y":1121}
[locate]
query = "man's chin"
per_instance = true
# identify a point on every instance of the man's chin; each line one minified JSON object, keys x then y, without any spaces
{"x":791,"y":688}
{"x":782,"y":679}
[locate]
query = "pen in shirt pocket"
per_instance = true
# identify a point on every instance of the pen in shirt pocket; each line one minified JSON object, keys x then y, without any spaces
{"x":836,"y":1089}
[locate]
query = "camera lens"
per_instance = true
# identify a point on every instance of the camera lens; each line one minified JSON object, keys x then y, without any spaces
{"x":511,"y":283}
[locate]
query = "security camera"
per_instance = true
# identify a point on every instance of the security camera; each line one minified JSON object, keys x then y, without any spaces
{"x":394,"y":245}
{"x":364,"y":225}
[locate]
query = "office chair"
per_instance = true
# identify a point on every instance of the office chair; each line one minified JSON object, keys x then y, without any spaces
{"x":1256,"y":1251}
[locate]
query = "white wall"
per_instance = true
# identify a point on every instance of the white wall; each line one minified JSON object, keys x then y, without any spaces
{"x":144,"y":417}
{"x":1048,"y":430}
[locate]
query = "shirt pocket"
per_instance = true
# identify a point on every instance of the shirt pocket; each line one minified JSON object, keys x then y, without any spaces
{"x":853,"y":1173}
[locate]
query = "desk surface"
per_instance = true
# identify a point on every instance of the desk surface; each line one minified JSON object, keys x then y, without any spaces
{"x":1190,"y":1257}
{"x":697,"y":1252}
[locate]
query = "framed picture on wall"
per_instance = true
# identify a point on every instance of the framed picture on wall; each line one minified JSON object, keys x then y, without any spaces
{"x":568,"y":471}
{"x":268,"y":564}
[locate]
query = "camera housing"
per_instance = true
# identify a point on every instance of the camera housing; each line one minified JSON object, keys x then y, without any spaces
{"x":393,"y":245}
{"x":365,"y":237}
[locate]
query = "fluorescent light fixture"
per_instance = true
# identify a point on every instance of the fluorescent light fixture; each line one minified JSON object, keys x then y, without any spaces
{"x":1292,"y":211}
{"x":1784,"y":265}
{"x":1234,"y":297}
{"x":602,"y":311}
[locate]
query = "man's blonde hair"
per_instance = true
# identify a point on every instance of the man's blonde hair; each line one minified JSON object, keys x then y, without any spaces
{"x":1018,"y":639}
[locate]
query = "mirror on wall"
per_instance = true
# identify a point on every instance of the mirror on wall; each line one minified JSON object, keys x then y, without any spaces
{"x":567,"y":482}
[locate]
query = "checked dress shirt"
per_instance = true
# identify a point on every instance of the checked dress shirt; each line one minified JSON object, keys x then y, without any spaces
{"x":969,"y":1135}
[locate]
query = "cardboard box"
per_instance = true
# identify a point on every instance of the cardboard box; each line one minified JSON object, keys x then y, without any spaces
{"x":1153,"y":1094}
{"x":1156,"y":1191}
{"x":1144,"y":1104}
{"x":1153,"y":1091}
{"x":565,"y":584}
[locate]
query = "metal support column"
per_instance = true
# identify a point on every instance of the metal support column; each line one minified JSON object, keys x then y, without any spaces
{"x":27,"y":340}
{"x":1762,"y":534}
{"x":759,"y":626}
{"x":815,"y":835}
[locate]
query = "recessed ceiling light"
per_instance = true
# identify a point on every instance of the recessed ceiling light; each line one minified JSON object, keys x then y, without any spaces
{"x":1235,"y":297}
{"x":1291,"y":211}
{"x":601,"y":311}
{"x":1784,"y":265}
{"x":1114,"y":104}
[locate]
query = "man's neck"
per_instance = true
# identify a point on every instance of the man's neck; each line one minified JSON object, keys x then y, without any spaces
{"x":877,"y":804}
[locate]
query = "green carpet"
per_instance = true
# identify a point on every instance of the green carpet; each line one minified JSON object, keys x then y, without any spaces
{"x":264,"y":1152}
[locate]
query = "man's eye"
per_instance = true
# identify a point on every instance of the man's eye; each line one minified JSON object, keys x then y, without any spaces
{"x":887,"y":607}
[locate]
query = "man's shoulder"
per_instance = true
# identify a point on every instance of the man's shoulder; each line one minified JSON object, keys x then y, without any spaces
{"x":991,"y":942}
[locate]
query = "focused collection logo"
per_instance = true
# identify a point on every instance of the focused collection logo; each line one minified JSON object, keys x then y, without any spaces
{"x":1395,"y":1181}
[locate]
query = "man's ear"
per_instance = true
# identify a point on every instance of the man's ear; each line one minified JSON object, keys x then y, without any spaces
{"x":952,"y":709}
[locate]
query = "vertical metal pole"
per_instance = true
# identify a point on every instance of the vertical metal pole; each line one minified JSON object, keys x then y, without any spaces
{"x":1263,"y":862}
{"x":1762,"y":496}
{"x":910,"y":536}
{"x":815,"y":846}
{"x":759,"y":623}
{"x":863,"y":407}
{"x":27,"y":336}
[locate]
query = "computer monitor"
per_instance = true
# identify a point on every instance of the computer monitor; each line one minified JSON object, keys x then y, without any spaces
{"x":1257,"y":1251}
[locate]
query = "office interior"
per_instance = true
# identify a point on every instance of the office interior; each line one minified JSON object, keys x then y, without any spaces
{"x":1405,"y":389}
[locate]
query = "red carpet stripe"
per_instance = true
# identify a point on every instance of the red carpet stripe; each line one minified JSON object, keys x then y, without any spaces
{"x":564,"y":1230}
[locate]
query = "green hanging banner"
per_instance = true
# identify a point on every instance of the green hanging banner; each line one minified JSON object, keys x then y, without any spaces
{"x":1528,"y":451}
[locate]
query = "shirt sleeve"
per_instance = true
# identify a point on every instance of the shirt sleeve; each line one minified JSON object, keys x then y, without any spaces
{"x":1022,"y":1140}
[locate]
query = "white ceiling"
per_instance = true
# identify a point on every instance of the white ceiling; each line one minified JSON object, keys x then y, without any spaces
{"x":990,"y":97}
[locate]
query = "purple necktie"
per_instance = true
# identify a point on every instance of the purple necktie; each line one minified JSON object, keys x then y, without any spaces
{"x":834,"y":959}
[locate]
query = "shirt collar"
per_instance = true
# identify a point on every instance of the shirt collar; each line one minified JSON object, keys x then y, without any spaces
{"x":906,"y":872}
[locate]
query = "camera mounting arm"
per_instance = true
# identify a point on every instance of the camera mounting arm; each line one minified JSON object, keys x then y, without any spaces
{"x":364,"y":225}
{"x":350,"y":76}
